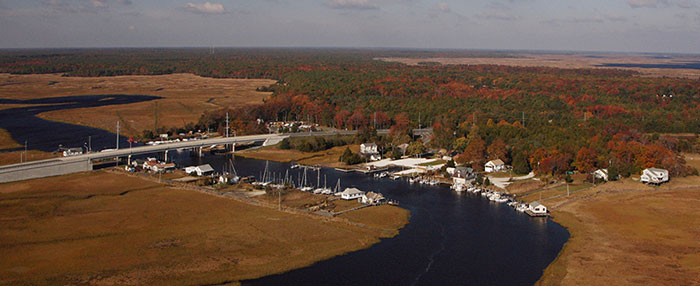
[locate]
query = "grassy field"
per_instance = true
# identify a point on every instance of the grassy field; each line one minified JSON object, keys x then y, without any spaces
{"x":185,"y":97}
{"x":328,"y":158}
{"x":106,"y":228}
{"x":626,"y":233}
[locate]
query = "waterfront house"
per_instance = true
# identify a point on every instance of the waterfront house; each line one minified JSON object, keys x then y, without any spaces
{"x":200,"y":170}
{"x":370,"y":150}
{"x":601,"y":174}
{"x":537,"y":209}
{"x":162,"y":167}
{"x":654,"y":176}
{"x":148,"y":165}
{"x":351,"y":194}
{"x":463,"y":175}
{"x":372,"y":198}
{"x":494,"y":166}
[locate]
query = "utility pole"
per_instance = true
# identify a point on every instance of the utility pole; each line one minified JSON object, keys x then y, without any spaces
{"x":523,"y":118}
{"x":227,"y":124}
{"x":117,"y":134}
{"x":25,"y":151}
{"x":419,"y":120}
{"x":567,"y":189}
{"x":89,"y":143}
{"x":279,"y":200}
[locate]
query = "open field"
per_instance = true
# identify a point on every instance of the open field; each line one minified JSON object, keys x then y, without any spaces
{"x":568,"y":61}
{"x":327,"y":158}
{"x":185,"y":97}
{"x":626,"y":233}
{"x":125,"y":230}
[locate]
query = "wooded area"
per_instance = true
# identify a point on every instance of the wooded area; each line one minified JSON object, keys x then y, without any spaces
{"x":547,"y":119}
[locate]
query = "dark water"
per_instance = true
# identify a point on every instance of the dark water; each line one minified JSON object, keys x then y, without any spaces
{"x":686,"y":65}
{"x":23,"y":124}
{"x":452,"y":239}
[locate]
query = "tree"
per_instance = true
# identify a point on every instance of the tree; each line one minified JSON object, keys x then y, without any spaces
{"x":475,"y":152}
{"x":586,"y":159}
{"x":520,"y":163}
{"x":415,"y":148}
{"x":497,"y":150}
{"x":460,"y":144}
{"x":443,"y":136}
{"x":613,"y":173}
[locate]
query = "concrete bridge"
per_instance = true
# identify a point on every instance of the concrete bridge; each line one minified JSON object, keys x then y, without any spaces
{"x":82,"y":163}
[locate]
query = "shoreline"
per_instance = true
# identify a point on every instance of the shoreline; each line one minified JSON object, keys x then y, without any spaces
{"x":158,"y":210}
{"x":605,"y":234}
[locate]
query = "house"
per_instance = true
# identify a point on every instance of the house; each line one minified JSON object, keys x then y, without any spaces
{"x":162,"y":167}
{"x":463,"y":175}
{"x":200,"y":170}
{"x":654,"y":176}
{"x":137,"y":162}
{"x":601,"y":174}
{"x":368,"y":149}
{"x":73,"y":152}
{"x":351,"y":194}
{"x":537,"y":209}
{"x":371,"y":151}
{"x":494,"y":166}
{"x":148,"y":165}
{"x":372,"y":198}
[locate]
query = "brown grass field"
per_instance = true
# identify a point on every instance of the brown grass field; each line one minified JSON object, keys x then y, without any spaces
{"x":185,"y":97}
{"x":107,"y":228}
{"x":567,"y":61}
{"x":327,"y":158}
{"x":626,"y":233}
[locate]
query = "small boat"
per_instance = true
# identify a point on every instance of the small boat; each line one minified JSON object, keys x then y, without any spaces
{"x":412,"y":180}
{"x":395,"y":177}
{"x":306,"y":189}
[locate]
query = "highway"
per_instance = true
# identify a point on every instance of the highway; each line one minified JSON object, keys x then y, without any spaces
{"x":82,"y":163}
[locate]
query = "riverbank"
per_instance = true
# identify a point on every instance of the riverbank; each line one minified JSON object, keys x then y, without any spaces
{"x":184,"y":97}
{"x":327,"y":158}
{"x":105,"y":227}
{"x":626,"y":233}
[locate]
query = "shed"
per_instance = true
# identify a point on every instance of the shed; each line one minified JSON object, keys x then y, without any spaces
{"x":351,"y":194}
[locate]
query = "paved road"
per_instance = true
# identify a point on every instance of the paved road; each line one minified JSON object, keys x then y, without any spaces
{"x":81,"y":163}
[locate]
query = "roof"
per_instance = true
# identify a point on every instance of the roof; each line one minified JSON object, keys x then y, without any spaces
{"x":352,"y":191}
{"x":168,"y":165}
{"x":604,"y":171}
{"x":496,"y":162}
{"x":657,"y":170}
{"x":535,"y":204}
{"x":374,"y":196}
{"x":205,"y":168}
{"x":369,"y":144}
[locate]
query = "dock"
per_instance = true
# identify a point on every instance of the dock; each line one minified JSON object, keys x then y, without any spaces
{"x":532,"y":214}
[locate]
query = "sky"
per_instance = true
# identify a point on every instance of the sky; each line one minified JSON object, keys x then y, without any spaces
{"x":666,"y":26}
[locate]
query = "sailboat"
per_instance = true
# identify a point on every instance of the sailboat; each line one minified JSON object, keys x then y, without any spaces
{"x":326,"y":190}
{"x":304,"y":187}
{"x":229,"y":174}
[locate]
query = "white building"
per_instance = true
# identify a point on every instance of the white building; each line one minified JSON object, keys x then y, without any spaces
{"x":601,"y":174}
{"x":351,"y":194}
{"x":537,"y":209}
{"x":654,"y":176}
{"x":372,"y":198}
{"x":201,"y":170}
{"x":368,"y":148}
{"x":494,"y":166}
{"x":162,"y":167}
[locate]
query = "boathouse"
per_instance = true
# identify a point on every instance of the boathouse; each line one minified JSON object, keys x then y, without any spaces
{"x":351,"y":194}
{"x":536,"y":209}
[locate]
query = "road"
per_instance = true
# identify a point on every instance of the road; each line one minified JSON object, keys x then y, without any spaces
{"x":82,"y":163}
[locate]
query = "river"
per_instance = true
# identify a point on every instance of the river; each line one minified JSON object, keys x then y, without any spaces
{"x":451,"y":239}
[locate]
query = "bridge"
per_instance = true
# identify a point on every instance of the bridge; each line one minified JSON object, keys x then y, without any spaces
{"x":84,"y":162}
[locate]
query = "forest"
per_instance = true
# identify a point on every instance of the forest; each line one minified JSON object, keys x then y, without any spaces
{"x":546,"y":119}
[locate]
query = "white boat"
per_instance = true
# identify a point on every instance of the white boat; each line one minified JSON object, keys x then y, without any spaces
{"x":501,"y":199}
{"x":412,"y":180}
{"x":326,"y":191}
{"x":306,"y":189}
{"x":395,"y":177}
{"x":522,"y":208}
{"x":458,"y":188}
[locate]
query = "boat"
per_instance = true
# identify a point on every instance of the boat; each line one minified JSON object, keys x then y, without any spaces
{"x":412,"y":180}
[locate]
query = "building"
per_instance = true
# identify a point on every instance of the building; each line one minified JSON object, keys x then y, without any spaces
{"x":536,"y":209}
{"x":162,"y":167}
{"x":368,"y":149}
{"x":601,"y":174}
{"x":351,"y":194}
{"x":372,"y":198}
{"x":654,"y":176}
{"x":463,"y":175}
{"x":200,"y":170}
{"x":73,"y":152}
{"x":494,"y":166}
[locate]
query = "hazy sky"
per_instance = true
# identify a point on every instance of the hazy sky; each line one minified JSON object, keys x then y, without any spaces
{"x":593,"y":25}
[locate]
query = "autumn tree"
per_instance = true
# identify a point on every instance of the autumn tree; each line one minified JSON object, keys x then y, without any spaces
{"x":497,"y":150}
{"x":586,"y":159}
